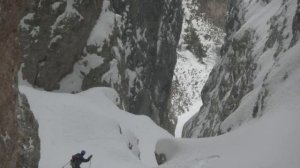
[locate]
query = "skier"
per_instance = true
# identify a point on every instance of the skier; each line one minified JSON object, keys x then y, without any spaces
{"x":78,"y":158}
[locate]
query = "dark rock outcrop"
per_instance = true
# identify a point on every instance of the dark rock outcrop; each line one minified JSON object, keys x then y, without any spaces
{"x":19,"y":142}
{"x":53,"y":36}
{"x":160,"y":158}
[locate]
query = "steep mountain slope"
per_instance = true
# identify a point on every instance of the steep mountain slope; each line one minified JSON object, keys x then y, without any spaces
{"x":19,"y":142}
{"x":270,"y":141}
{"x":189,"y":78}
{"x":259,"y":60}
{"x":197,"y":52}
{"x":90,"y":120}
{"x":70,"y":46}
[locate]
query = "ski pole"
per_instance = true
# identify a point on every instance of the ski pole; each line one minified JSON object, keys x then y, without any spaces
{"x":90,"y":163}
{"x":66,"y":164}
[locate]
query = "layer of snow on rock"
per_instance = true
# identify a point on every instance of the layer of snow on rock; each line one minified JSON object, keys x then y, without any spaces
{"x":73,"y":81}
{"x":259,"y":18}
{"x":90,"y":120}
{"x":104,"y":26}
{"x":113,"y":75}
{"x":100,"y":33}
{"x":69,"y":12}
{"x":27,"y":17}
{"x":56,"y":5}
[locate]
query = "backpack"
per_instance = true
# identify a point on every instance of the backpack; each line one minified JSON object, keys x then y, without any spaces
{"x":75,"y":159}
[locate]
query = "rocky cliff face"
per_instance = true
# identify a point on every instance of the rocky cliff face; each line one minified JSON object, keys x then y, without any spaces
{"x":258,"y":58}
{"x":72,"y":45}
{"x":53,"y":36}
{"x":214,"y":11}
{"x":19,"y":142}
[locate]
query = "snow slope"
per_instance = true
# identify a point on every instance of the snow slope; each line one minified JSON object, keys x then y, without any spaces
{"x":190,"y":77}
{"x":270,"y":137}
{"x":91,"y":121}
{"x":260,"y":35}
{"x":190,"y":74}
{"x":271,"y":141}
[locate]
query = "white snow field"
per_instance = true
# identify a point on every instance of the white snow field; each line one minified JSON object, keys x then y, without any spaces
{"x":69,"y":123}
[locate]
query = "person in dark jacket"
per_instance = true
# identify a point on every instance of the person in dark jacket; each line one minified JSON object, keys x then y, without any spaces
{"x":78,"y":158}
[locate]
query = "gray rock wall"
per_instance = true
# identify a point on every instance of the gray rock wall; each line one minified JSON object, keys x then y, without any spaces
{"x":145,"y":58}
{"x":19,"y":141}
{"x":71,"y":46}
{"x":29,"y":141}
{"x":53,"y":35}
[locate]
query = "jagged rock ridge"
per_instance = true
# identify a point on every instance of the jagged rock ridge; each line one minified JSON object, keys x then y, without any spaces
{"x":260,"y":36}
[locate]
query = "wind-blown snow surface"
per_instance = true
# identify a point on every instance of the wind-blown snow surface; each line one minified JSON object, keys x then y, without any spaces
{"x":91,"y":121}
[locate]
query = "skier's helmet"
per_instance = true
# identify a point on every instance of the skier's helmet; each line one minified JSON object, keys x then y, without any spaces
{"x":82,"y":152}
